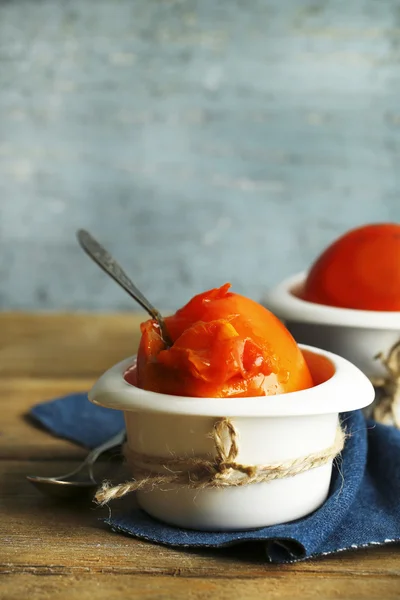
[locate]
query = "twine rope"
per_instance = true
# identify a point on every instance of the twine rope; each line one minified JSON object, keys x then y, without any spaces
{"x":387,"y":407}
{"x":219,"y":471}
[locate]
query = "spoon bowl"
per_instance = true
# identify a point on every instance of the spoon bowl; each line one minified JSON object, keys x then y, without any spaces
{"x":62,"y":489}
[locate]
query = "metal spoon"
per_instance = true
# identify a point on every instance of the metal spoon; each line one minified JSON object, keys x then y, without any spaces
{"x":79,"y":481}
{"x":104,"y":259}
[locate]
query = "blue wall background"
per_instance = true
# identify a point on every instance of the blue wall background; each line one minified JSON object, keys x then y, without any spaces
{"x":202,"y":141}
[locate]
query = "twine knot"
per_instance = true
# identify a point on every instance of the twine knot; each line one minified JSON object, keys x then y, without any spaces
{"x":387,"y":407}
{"x":226,"y":446}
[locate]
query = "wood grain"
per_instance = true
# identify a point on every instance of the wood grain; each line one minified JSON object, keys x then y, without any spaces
{"x":17,"y":396}
{"x":106,"y":586}
{"x":65,"y":345}
{"x":41,"y":536}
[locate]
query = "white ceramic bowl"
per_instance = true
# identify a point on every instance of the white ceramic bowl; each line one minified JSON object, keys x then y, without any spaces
{"x":271,"y":429}
{"x":358,"y":335}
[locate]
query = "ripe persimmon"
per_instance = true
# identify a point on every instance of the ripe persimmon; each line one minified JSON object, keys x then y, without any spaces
{"x":224,"y":345}
{"x":360,"y":270}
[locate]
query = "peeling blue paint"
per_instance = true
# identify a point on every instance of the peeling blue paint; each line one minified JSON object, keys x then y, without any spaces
{"x":203,"y":142}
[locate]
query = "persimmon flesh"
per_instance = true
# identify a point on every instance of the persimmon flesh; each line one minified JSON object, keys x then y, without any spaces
{"x":224,"y":345}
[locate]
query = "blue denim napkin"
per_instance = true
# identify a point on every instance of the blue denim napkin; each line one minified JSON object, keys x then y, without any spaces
{"x":363,"y":508}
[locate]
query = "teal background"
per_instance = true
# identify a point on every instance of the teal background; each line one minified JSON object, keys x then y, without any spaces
{"x":203,"y":142}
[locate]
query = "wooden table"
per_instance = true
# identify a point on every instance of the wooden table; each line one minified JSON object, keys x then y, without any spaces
{"x":49,"y":550}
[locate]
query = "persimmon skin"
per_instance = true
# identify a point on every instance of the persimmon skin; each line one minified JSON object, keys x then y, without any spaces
{"x":225,"y":345}
{"x":360,"y":270}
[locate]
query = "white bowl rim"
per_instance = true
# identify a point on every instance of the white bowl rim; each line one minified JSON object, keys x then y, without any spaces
{"x":282,"y":302}
{"x":348,"y":389}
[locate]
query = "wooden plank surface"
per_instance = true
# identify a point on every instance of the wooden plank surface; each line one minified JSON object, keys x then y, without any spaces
{"x":34,"y":528}
{"x":65,"y":345}
{"x":18,"y":395}
{"x":69,"y":542}
{"x":106,"y":586}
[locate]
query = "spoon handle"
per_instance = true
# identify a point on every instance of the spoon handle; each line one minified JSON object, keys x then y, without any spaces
{"x":116,"y":440}
{"x":104,"y":259}
{"x":113,"y":442}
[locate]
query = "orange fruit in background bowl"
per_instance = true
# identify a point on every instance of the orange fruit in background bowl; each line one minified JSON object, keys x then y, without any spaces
{"x":360,"y":270}
{"x":349,"y":300}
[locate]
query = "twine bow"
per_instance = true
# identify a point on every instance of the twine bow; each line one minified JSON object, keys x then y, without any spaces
{"x":222,"y":470}
{"x":387,"y":407}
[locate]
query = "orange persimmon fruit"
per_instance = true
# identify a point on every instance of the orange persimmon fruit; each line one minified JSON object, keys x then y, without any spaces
{"x":224,"y":345}
{"x":360,"y":270}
